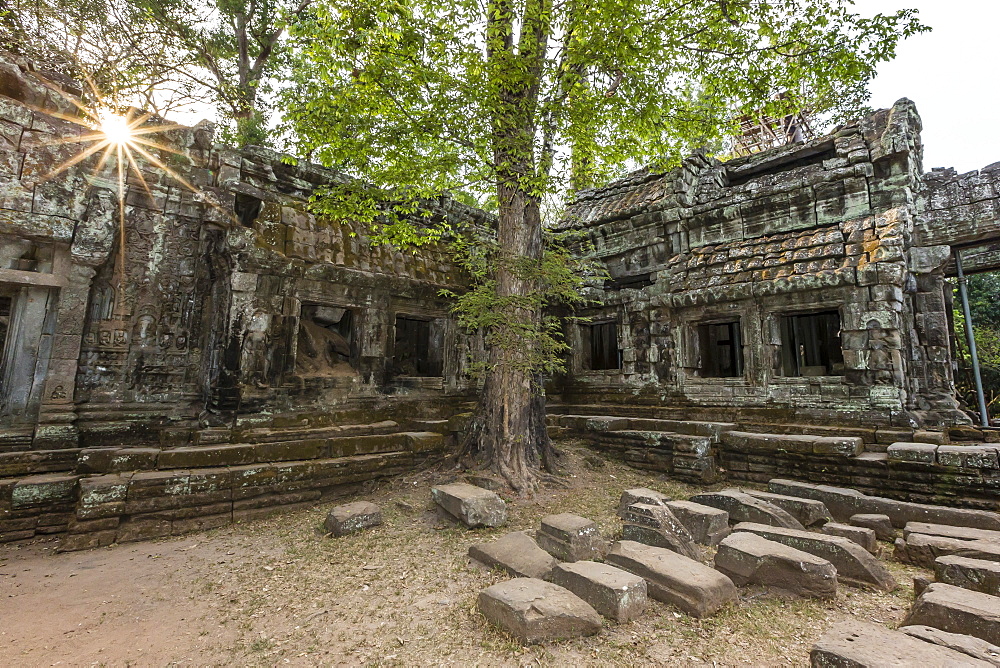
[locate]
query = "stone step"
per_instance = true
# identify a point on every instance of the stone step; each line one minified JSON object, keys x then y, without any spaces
{"x":113,"y":460}
{"x":697,"y":446}
{"x":604,"y":422}
{"x":853,"y":563}
{"x":273,"y":435}
{"x":844,"y":502}
{"x":957,"y":610}
{"x":803,"y":444}
{"x":863,"y":645}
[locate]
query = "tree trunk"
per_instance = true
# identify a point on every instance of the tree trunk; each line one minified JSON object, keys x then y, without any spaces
{"x":507,"y":435}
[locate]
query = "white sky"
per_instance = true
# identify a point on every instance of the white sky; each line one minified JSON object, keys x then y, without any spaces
{"x":951,"y":74}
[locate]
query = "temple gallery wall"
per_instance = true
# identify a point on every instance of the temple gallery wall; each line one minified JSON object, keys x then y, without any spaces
{"x":223,"y":353}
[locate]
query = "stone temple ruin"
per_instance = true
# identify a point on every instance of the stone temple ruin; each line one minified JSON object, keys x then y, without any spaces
{"x":224,"y":353}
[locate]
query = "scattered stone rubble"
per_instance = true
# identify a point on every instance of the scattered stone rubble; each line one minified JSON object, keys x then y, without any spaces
{"x":954,"y":621}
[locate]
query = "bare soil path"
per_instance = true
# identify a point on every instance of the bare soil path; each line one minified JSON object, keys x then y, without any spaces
{"x":278,"y":592}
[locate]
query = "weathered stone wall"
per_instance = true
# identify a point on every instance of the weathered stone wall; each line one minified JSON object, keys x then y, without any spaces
{"x":195,"y":321}
{"x":835,"y":224}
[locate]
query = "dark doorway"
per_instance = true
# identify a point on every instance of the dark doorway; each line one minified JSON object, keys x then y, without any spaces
{"x":810,"y":344}
{"x":721,"y":350}
{"x":417,"y":350}
{"x":602,"y":346}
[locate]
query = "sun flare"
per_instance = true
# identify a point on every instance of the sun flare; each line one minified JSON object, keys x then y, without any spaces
{"x":116,"y":128}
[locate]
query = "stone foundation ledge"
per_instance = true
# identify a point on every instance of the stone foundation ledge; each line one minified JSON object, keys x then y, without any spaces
{"x":117,"y":459}
{"x":99,"y":508}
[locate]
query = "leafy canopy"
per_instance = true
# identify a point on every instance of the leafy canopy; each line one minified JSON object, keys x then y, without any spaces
{"x":423,"y":97}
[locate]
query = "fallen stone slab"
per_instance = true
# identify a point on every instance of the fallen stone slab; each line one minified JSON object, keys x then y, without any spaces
{"x":517,"y":553}
{"x":353,"y":517}
{"x":962,"y":533}
{"x":707,"y":525}
{"x":956,"y":610}
{"x":975,"y":574}
{"x":616,"y":594}
{"x":569,"y":537}
{"x":974,"y":647}
{"x":843,"y":502}
{"x":673,"y":578}
{"x":745,"y":508}
{"x":747,"y":558}
{"x":657,"y":525}
{"x":809,"y":512}
{"x":855,"y":644}
{"x":880,"y":524}
{"x":921,"y":550}
{"x":640,"y":495}
{"x":860,"y":535}
{"x":854,"y":564}
{"x":471,"y":505}
{"x":534,"y":610}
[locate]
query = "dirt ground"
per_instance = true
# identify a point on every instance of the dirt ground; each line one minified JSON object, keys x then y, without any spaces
{"x":279,"y":592}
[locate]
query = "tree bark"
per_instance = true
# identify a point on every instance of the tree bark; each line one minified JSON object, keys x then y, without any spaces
{"x":508,"y":433}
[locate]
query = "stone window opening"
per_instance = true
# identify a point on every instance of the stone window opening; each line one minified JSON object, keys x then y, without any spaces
{"x":721,"y":349}
{"x":326,"y":341}
{"x":418,"y":347}
{"x":247,"y":209}
{"x":600,"y":346}
{"x":811,"y":345}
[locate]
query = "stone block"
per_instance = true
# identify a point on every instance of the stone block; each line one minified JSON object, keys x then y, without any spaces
{"x":640,"y":495}
{"x":135,"y":459}
{"x":962,"y":533}
{"x":353,"y":517}
{"x":657,"y":525}
{"x":206,"y":456}
{"x":957,"y":610}
{"x":844,"y":502}
{"x":471,"y":505}
{"x":809,"y":512}
{"x":919,"y":453}
{"x":968,"y":456}
{"x":535,"y":611}
{"x":517,"y":553}
{"x":853,"y":563}
{"x":691,"y":586}
{"x":861,"y":535}
{"x":976,"y":574}
{"x":614,"y":593}
{"x":921,"y":550}
{"x":569,"y":537}
{"x":707,"y":525}
{"x":856,"y":644}
{"x":44,"y":490}
{"x":880,"y":524}
{"x":745,"y":508}
{"x":974,"y":647}
{"x":747,"y":558}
